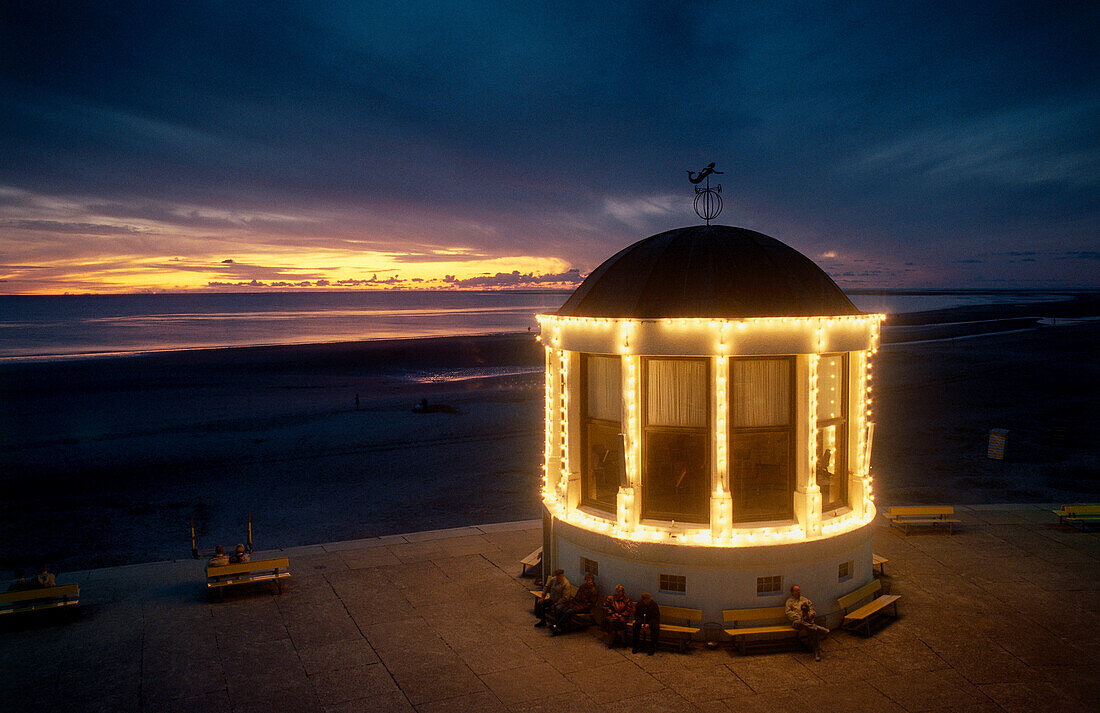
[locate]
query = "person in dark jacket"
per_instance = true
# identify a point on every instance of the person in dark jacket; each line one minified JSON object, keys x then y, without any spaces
{"x":647,"y":617}
{"x":580,"y":603}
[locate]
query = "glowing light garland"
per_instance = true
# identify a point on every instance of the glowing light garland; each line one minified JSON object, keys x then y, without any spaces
{"x":631,"y":338}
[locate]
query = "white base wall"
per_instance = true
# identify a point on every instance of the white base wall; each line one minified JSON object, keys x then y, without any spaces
{"x":717,"y":577}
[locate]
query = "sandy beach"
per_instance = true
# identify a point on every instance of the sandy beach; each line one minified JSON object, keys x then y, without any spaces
{"x":105,"y":461}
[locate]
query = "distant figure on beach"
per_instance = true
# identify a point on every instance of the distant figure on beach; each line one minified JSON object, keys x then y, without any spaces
{"x":45,"y":577}
{"x":647,"y":618}
{"x":554,"y":592}
{"x":800,"y":612}
{"x":20,"y":584}
{"x":219,"y":558}
{"x":239,"y":556}
{"x":580,"y":603}
{"x":357,"y":402}
{"x":617,"y":610}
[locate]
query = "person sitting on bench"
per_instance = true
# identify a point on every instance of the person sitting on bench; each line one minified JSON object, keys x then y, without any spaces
{"x":553,"y":593}
{"x":617,"y":610}
{"x":44,"y":579}
{"x":800,"y":612}
{"x":240,"y":556}
{"x":647,"y":617}
{"x":580,"y":603}
{"x":220,"y":558}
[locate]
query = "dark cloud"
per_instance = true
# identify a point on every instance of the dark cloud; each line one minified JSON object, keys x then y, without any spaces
{"x":515,"y":279}
{"x":457,"y":130}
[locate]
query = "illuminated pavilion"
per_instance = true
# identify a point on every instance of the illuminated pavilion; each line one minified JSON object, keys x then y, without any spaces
{"x":708,"y":425}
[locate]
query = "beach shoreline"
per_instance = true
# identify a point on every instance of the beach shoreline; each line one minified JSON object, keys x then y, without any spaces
{"x":140,"y":446}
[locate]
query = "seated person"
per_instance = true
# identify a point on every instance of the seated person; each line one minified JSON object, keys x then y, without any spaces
{"x":554,"y":592}
{"x":617,"y":610}
{"x":240,"y":556}
{"x":44,"y":579}
{"x":647,"y":618}
{"x":580,"y":603}
{"x":800,"y":612}
{"x":220,"y":558}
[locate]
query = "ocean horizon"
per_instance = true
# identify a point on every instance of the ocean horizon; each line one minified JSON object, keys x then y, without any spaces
{"x":81,"y":326}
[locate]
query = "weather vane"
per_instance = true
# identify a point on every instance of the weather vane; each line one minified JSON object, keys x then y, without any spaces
{"x":708,"y":201}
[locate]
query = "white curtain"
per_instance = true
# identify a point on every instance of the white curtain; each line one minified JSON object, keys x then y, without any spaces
{"x":761,"y":392}
{"x":605,"y":393}
{"x":677,"y":393}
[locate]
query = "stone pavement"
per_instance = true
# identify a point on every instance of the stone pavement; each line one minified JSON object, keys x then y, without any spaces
{"x":1002,"y":616}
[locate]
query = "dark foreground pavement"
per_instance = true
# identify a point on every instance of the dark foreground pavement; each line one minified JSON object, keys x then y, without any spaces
{"x":1002,"y":616}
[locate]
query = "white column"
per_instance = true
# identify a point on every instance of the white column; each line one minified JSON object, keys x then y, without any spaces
{"x":807,"y":496}
{"x":721,"y":502}
{"x":627,"y":501}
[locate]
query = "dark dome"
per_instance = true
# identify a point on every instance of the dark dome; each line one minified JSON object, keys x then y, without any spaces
{"x":708,"y":271}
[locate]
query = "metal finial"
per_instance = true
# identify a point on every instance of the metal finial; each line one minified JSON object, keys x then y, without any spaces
{"x":708,"y":201}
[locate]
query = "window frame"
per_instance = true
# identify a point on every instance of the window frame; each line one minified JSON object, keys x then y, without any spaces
{"x":732,"y":430}
{"x":646,"y":512}
{"x":586,"y":421}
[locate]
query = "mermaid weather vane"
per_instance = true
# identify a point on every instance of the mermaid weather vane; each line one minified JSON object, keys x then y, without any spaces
{"x":708,"y":201}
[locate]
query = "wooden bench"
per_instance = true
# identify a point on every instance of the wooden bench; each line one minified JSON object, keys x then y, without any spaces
{"x":532,"y":560}
{"x":1082,"y":514}
{"x":685,"y":630}
{"x":28,"y":600}
{"x":743,"y":618}
{"x":905,"y":516}
{"x":862,"y":616}
{"x":880,"y":562}
{"x":229,"y":575}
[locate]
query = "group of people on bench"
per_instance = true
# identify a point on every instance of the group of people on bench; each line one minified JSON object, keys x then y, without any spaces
{"x":239,"y":556}
{"x":21,"y":584}
{"x":558,"y":609}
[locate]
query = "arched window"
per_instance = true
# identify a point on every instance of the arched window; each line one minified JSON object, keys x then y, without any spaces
{"x":832,"y":430}
{"x":603,"y":465}
{"x":761,"y":438}
{"x":676,"y":443}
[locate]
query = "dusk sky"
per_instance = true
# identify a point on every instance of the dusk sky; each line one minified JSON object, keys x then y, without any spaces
{"x":202,"y":145}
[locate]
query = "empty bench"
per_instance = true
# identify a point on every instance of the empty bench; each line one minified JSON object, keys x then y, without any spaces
{"x":28,"y":600}
{"x":1080,"y":514}
{"x":688,"y":626}
{"x":862,"y":617}
{"x":771,"y":622}
{"x":230,"y":575}
{"x":905,"y":516}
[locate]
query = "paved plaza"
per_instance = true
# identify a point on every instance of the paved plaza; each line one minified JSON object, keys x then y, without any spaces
{"x":1001,"y":616}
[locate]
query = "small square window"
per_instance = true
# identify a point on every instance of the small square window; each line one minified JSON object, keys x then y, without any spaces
{"x":769,"y":585}
{"x":673,"y":583}
{"x":844,"y":570}
{"x":590,"y":566}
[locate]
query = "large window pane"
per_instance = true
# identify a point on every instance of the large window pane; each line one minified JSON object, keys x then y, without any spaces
{"x":605,"y":467}
{"x":761,"y":392}
{"x":832,"y":476}
{"x":832,"y":430}
{"x":677,"y":393}
{"x":605,"y":394}
{"x":677,"y":478}
{"x":760,"y":477}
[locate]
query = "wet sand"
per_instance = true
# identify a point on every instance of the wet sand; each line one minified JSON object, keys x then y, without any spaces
{"x":105,"y":461}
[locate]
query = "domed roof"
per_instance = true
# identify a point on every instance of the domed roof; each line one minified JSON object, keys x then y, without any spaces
{"x":708,"y":271}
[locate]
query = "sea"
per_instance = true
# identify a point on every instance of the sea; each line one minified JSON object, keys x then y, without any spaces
{"x":83,"y":326}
